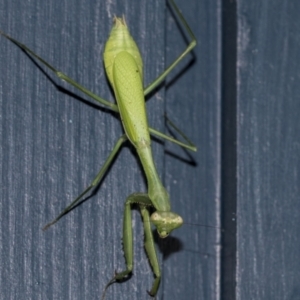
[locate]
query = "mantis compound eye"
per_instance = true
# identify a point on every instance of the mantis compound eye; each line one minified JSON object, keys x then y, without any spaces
{"x":165,"y":222}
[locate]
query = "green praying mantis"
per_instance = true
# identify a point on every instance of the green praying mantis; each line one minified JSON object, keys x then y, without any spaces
{"x":124,"y":70}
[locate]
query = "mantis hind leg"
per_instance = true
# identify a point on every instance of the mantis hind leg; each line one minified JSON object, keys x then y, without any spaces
{"x":94,"y":183}
{"x":187,"y":144}
{"x":63,"y":76}
{"x":188,"y":49}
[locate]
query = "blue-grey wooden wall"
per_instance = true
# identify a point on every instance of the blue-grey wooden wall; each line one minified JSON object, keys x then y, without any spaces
{"x":236,"y":97}
{"x":54,"y":141}
{"x":268,"y":150}
{"x":260,"y":150}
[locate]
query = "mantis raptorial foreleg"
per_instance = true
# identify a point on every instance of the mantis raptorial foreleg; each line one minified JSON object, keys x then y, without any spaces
{"x":144,"y":202}
{"x":124,"y":69}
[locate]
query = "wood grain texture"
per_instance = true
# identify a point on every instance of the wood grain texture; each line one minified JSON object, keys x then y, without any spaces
{"x":53,"y":142}
{"x":193,"y":102}
{"x":268,"y":148}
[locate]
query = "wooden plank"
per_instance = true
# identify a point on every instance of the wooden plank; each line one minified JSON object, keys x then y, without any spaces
{"x":192,"y":268}
{"x":53,"y":142}
{"x":268,"y":150}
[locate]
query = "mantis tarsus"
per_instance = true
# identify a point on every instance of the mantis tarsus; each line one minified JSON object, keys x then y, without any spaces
{"x":123,"y":65}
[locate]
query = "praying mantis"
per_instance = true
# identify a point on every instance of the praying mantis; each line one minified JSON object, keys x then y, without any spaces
{"x":136,"y":131}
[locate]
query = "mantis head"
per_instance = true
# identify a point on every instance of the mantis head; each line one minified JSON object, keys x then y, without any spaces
{"x":165,"y":222}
